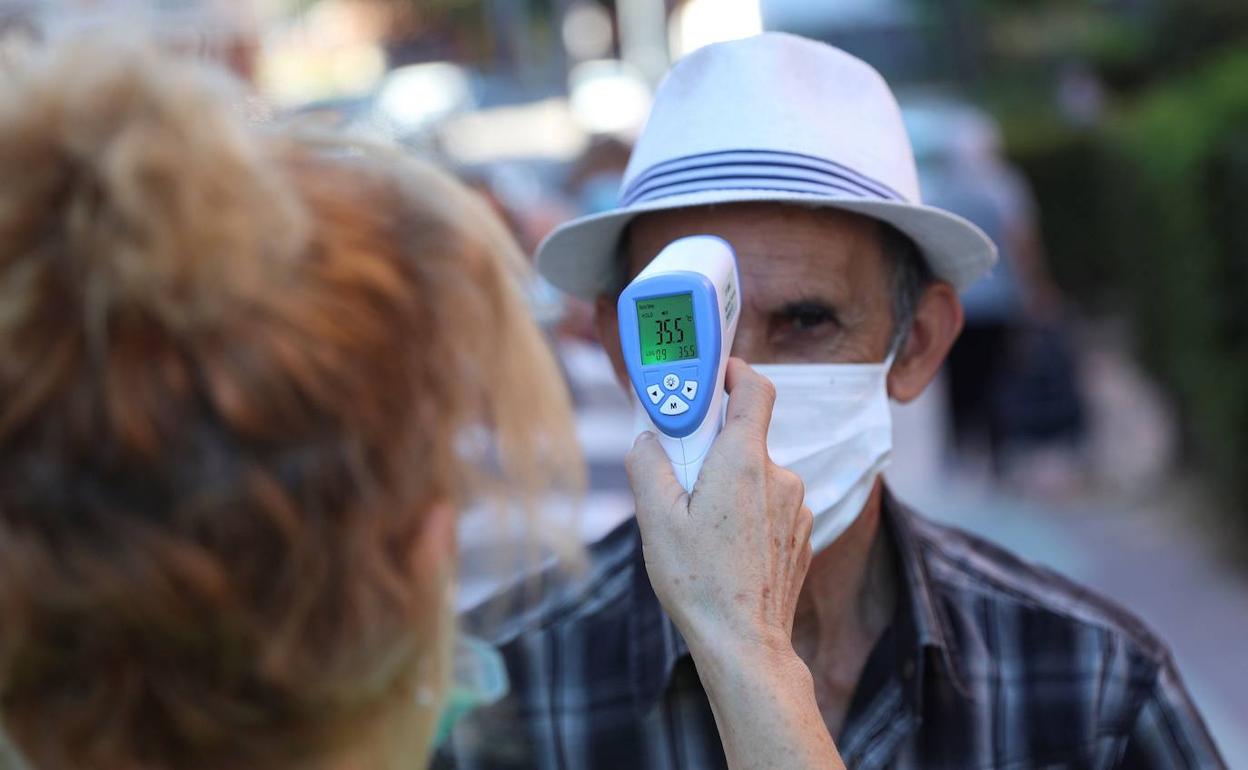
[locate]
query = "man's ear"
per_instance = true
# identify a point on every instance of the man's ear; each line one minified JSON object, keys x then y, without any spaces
{"x":937,"y":323}
{"x":607,"y":322}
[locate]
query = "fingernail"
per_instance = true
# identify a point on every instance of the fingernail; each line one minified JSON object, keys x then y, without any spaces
{"x":645,"y":435}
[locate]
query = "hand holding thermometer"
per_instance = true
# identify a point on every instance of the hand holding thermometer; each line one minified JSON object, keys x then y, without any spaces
{"x":677,"y":321}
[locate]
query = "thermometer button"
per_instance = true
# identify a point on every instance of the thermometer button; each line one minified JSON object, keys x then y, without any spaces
{"x":671,"y":381}
{"x":673,"y":406}
{"x":690,"y":391}
{"x":655,"y":393}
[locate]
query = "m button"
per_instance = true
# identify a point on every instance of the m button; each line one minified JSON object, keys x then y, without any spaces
{"x":673,"y":406}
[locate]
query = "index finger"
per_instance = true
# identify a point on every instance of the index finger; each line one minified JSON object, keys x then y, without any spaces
{"x":752,"y":397}
{"x":651,"y":478}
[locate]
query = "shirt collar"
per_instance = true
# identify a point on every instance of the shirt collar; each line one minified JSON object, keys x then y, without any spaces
{"x":656,"y":647}
{"x":920,"y":624}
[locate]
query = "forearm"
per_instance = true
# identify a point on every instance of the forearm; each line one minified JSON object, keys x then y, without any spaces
{"x":728,"y":563}
{"x":765,"y":709}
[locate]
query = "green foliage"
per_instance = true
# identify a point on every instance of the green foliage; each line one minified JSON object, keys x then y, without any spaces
{"x":1147,"y":216}
{"x":1178,"y":151}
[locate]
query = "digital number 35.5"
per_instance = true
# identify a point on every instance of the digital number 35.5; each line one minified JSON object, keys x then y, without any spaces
{"x":668,"y":331}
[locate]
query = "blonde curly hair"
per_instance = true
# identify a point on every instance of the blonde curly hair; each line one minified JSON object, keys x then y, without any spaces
{"x":235,"y":370}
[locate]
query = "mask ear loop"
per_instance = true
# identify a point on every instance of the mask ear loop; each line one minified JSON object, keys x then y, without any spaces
{"x":478,"y":678}
{"x":888,"y":362}
{"x":895,"y":342}
{"x":893,"y":349}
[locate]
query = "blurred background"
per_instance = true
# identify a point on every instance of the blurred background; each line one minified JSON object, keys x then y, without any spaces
{"x":1094,"y":417}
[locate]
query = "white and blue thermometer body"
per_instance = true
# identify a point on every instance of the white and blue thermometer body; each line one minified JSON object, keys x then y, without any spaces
{"x":677,"y":322}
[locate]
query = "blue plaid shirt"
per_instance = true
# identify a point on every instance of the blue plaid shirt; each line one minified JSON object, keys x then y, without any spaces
{"x":989,"y":662}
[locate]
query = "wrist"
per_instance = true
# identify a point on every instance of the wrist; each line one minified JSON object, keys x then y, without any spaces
{"x":746,"y":679}
{"x":734,"y":655}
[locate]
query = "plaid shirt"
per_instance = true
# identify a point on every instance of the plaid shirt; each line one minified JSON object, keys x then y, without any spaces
{"x":989,"y":662}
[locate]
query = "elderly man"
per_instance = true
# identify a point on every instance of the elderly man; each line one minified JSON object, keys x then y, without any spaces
{"x":928,"y":648}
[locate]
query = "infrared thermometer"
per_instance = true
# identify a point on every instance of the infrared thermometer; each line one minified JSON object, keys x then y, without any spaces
{"x":677,"y":322}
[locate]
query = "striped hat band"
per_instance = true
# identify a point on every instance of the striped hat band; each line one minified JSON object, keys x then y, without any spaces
{"x":753,"y":169}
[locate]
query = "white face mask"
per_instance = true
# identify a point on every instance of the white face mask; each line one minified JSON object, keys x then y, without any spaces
{"x":832,"y":427}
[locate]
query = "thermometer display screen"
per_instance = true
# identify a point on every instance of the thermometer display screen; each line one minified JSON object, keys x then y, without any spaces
{"x":665,"y":325}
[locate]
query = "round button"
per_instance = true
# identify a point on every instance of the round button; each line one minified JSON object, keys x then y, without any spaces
{"x":671,"y":382}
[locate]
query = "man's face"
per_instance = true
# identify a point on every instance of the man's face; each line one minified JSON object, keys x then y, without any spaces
{"x":815,"y":284}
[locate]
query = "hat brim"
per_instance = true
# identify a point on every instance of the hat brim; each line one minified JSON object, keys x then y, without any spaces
{"x":579,"y":256}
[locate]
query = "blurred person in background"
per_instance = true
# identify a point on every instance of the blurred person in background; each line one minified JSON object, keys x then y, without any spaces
{"x":1012,"y":383}
{"x":236,"y":371}
{"x":923,"y":646}
{"x":594,"y":180}
{"x":593,"y":186}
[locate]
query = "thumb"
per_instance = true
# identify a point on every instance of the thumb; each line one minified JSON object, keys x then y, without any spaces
{"x":650,"y":475}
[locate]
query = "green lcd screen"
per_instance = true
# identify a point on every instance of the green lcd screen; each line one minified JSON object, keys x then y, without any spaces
{"x":665,"y":325}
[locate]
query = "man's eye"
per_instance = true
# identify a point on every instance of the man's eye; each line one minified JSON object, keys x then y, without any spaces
{"x":808,"y":316}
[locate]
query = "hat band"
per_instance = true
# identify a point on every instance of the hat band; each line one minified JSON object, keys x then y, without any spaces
{"x":753,"y":169}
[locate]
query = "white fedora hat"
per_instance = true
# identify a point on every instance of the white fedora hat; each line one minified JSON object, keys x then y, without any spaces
{"x":774,"y":117}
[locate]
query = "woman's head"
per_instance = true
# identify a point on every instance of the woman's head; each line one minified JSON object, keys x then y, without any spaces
{"x":236,"y":369}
